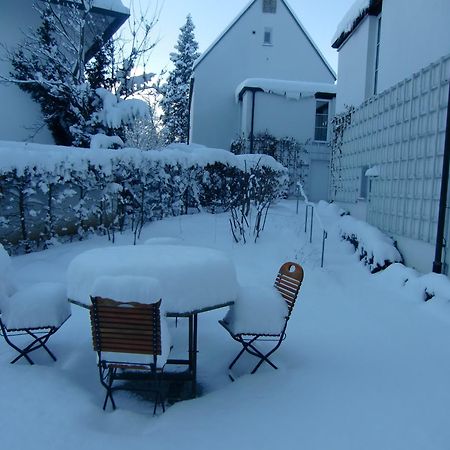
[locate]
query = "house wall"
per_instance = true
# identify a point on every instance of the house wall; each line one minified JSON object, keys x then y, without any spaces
{"x":240,"y":54}
{"x":414,"y":33}
{"x":20,"y":116}
{"x":285,"y":117}
{"x":356,"y":65}
{"x":402,"y":131}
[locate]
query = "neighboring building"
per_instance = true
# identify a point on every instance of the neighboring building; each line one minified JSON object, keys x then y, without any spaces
{"x":394,"y":69}
{"x":264,"y":73}
{"x":20,"y":116}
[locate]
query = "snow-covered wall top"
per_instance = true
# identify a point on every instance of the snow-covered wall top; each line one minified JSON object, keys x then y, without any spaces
{"x":288,"y":88}
{"x":347,"y":23}
{"x":21,"y":156}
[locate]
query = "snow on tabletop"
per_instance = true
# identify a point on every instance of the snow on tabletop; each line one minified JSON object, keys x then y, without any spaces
{"x":128,"y":289}
{"x":289,"y":88}
{"x":191,"y":277}
{"x":346,"y":24}
{"x":257,"y":310}
{"x":40,"y":305}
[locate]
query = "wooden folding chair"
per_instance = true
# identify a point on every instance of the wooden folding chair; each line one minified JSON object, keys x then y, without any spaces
{"x":39,"y":335}
{"x":288,"y":283}
{"x":127,"y":338}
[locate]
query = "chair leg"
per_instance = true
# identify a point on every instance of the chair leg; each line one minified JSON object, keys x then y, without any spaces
{"x":107,"y":386}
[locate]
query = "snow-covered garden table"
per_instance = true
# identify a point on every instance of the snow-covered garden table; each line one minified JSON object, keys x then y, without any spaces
{"x":193,"y":280}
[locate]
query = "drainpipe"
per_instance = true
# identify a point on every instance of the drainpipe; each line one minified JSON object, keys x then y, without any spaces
{"x":191,"y":92}
{"x":252,"y":126}
{"x":440,"y":239}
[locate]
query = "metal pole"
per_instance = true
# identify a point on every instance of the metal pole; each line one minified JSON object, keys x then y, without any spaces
{"x":437,"y":263}
{"x":312,"y":220}
{"x":324,"y":236}
{"x":306,"y":218}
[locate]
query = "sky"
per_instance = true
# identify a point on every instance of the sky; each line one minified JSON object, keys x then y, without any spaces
{"x":319,"y":17}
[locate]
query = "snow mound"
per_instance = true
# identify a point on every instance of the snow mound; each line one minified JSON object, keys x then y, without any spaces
{"x":163,"y":241}
{"x":128,"y":289}
{"x":40,"y":305}
{"x":257,"y":310}
{"x":101,"y":140}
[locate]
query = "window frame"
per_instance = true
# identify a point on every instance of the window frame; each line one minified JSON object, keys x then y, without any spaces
{"x":268,"y":31}
{"x":322,"y":100}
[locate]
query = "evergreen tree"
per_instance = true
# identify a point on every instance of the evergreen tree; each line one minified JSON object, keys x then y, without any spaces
{"x":175,"y":101}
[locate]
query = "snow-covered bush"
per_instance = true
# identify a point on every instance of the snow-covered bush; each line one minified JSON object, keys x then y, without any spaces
{"x":50,"y":191}
{"x":374,"y":248}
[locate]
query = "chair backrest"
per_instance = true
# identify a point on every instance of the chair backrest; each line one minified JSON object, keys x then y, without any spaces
{"x":288,"y":282}
{"x":125,"y":327}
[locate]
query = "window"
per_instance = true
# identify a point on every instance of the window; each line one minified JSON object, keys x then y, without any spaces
{"x":270,"y":6}
{"x":377,"y":57}
{"x":267,"y":36}
{"x":321,"y":131}
{"x":364,"y":183}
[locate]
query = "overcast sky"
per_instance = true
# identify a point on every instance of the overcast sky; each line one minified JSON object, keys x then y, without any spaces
{"x":319,"y":17}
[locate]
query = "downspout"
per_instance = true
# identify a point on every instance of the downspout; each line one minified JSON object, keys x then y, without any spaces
{"x":252,"y":126}
{"x":191,"y":91}
{"x":440,"y":239}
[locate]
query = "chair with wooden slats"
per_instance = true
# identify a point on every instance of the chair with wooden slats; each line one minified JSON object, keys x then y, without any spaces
{"x":127,"y":338}
{"x":288,"y":282}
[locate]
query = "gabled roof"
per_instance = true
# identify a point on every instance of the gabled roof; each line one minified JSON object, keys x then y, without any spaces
{"x":354,"y":16}
{"x":238,"y":17}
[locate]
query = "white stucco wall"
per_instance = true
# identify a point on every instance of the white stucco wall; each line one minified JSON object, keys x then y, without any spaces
{"x":240,"y":54}
{"x":414,"y":33}
{"x":19,"y":115}
{"x":356,"y":65}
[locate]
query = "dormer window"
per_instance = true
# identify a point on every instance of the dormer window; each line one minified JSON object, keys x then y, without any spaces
{"x":267,"y":36}
{"x":270,"y":6}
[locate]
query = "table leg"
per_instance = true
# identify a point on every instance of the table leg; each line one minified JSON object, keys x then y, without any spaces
{"x":193,"y":352}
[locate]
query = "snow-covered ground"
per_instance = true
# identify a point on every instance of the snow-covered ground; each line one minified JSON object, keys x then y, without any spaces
{"x":365,"y":365}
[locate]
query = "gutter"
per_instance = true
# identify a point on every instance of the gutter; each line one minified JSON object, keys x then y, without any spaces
{"x":191,"y":92}
{"x":440,"y":238}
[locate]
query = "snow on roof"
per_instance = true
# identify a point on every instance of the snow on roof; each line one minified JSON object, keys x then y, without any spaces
{"x":288,"y":88}
{"x":236,"y":19}
{"x":112,"y":5}
{"x":350,"y":20}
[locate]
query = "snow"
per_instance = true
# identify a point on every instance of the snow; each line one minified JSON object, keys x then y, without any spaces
{"x":257,"y":310}
{"x":128,"y":289}
{"x":163,"y":241}
{"x":288,"y":88}
{"x":347,"y":22}
{"x":40,"y":305}
{"x":101,"y":140}
{"x":58,"y":160}
{"x":373,"y":171}
{"x":191,"y":277}
{"x":117,"y":112}
{"x":364,"y":365}
{"x":6,"y":285}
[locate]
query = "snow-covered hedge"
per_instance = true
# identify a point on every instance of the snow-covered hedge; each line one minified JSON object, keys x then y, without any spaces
{"x":47,"y":191}
{"x":375,"y":249}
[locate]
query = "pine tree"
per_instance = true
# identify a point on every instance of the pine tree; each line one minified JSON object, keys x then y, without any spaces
{"x":175,"y":102}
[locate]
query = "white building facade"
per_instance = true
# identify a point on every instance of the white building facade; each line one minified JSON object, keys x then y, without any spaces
{"x":265,"y":74}
{"x":394,"y":70}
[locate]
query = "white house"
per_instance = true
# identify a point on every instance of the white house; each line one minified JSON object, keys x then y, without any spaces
{"x":394,"y":69}
{"x":20,"y":116}
{"x":264,"y":73}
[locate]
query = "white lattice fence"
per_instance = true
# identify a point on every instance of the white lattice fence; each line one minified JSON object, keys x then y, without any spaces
{"x":401,"y":130}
